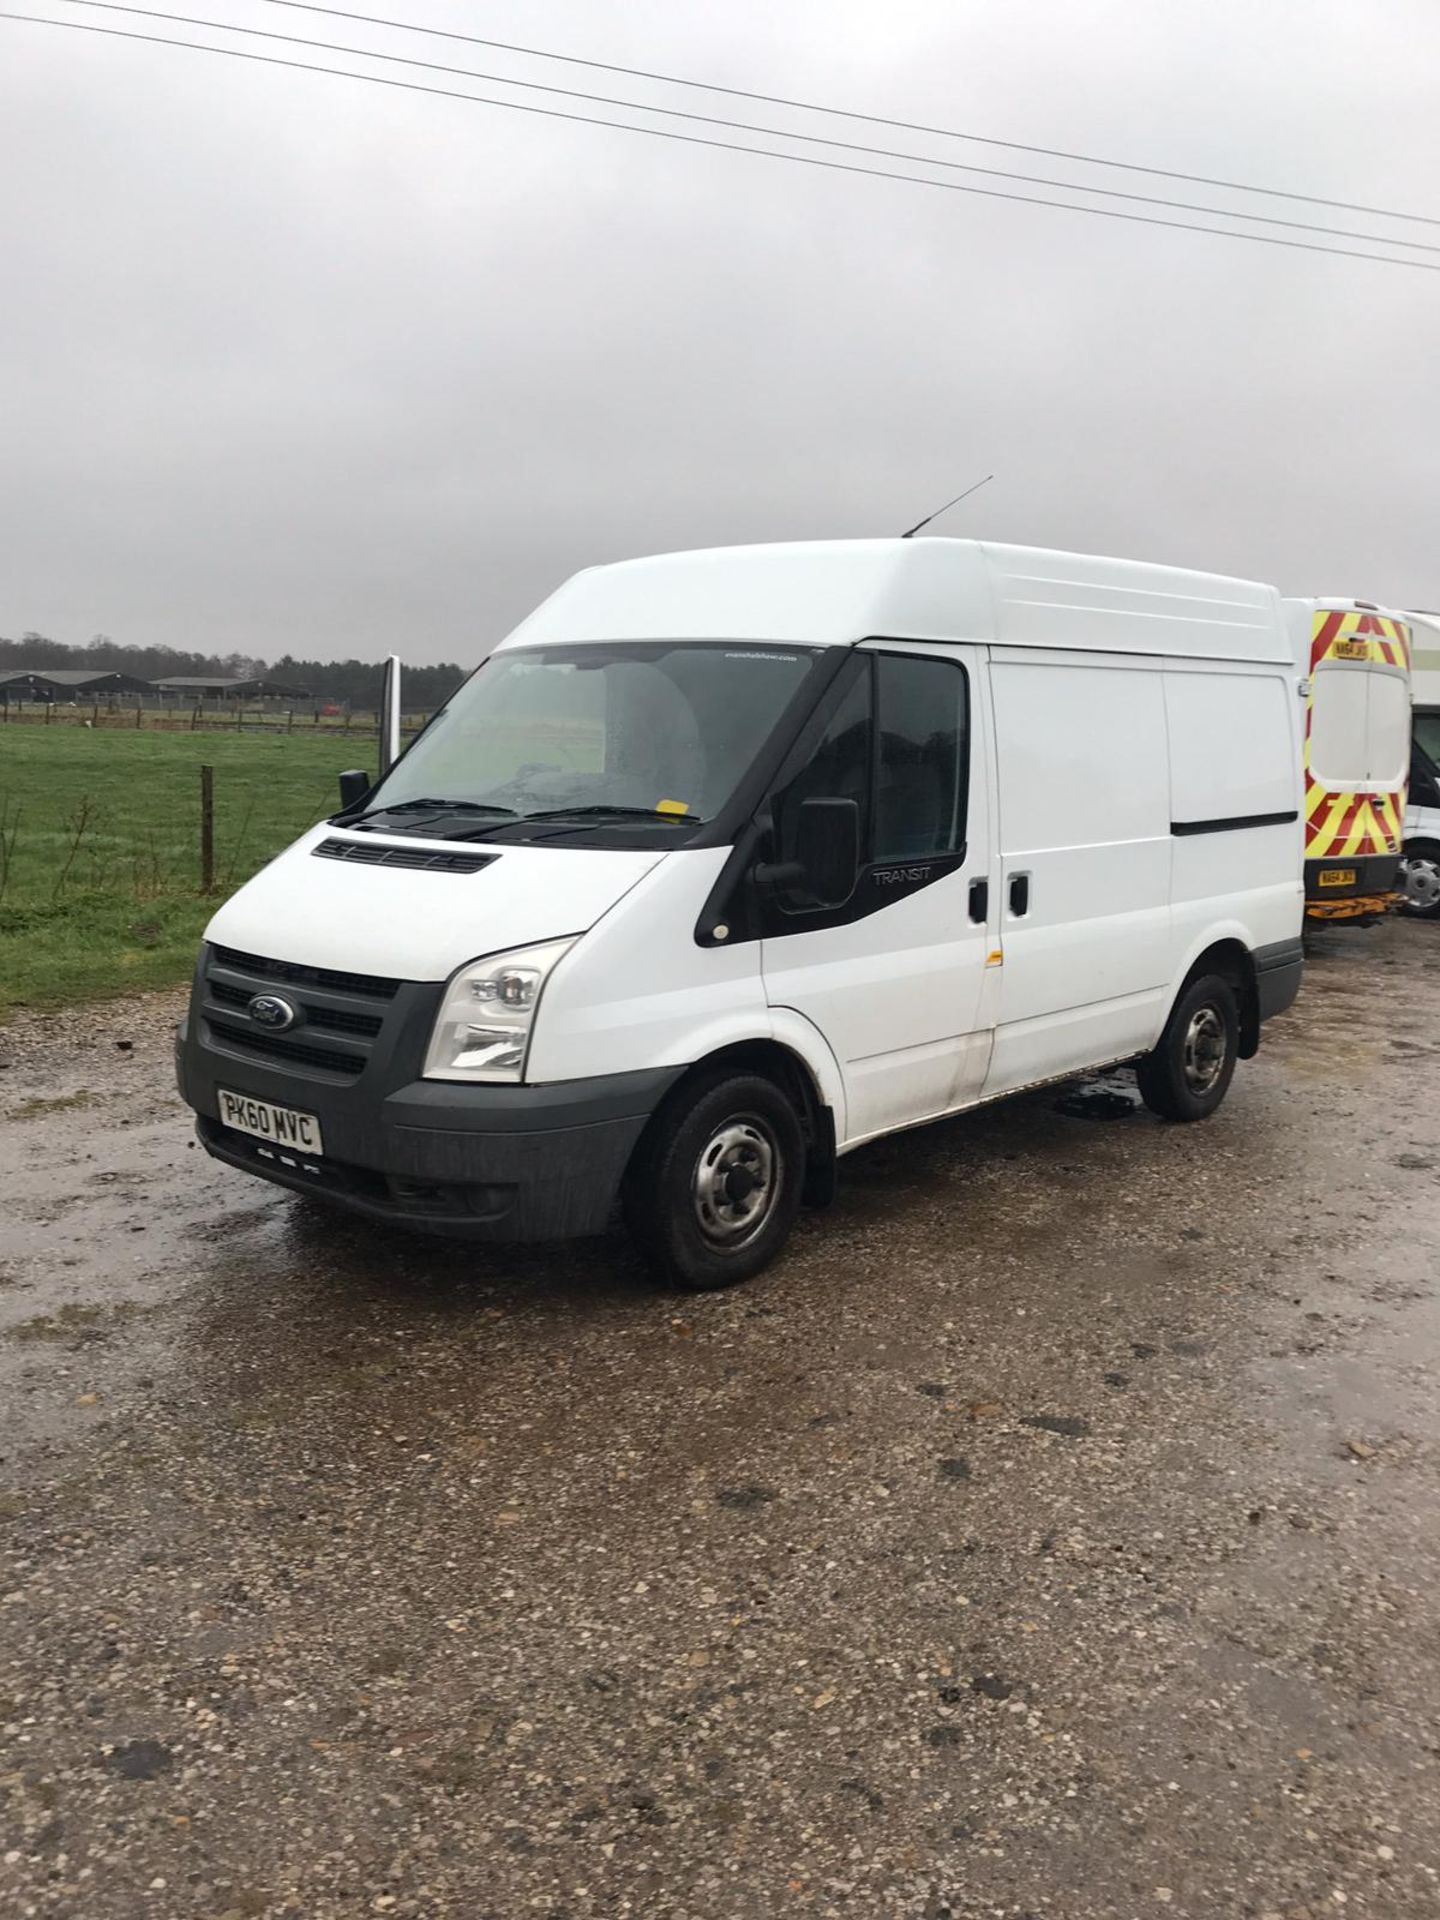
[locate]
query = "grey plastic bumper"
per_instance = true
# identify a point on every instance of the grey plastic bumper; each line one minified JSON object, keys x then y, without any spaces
{"x":483,"y":1163}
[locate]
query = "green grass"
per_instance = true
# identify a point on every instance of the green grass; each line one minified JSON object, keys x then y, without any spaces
{"x":100,"y":847}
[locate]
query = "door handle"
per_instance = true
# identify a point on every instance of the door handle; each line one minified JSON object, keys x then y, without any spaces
{"x":1019,"y":894}
{"x":979,"y":901}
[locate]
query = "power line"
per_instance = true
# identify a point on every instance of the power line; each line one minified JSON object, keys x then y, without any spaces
{"x":725,"y":146}
{"x":847,"y":113}
{"x":747,"y":126}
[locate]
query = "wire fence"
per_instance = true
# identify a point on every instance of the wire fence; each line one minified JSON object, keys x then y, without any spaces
{"x":219,"y":717}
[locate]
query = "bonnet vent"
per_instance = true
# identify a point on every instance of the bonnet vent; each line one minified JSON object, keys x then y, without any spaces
{"x":433,"y":859}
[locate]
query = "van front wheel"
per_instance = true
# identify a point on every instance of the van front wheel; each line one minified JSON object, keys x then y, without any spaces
{"x":715,"y":1185}
{"x":1187,"y":1074}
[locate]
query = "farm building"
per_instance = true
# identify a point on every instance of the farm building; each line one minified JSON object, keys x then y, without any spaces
{"x":68,"y":683}
{"x":186,"y":686}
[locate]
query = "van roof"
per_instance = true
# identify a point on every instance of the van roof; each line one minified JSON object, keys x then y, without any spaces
{"x":837,"y":592}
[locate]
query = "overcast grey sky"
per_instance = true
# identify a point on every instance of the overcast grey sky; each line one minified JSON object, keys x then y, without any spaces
{"x":293,"y":363}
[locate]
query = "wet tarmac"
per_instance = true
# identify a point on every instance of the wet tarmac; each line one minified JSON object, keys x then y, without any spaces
{"x":1053,"y":1532}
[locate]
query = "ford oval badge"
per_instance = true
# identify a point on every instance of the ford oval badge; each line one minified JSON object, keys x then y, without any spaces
{"x":270,"y":1010}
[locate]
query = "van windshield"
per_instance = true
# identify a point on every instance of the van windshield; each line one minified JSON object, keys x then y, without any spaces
{"x":657,"y":732}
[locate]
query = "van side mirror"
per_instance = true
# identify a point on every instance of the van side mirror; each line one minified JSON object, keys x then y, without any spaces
{"x":824,"y":853}
{"x":355,"y":783}
{"x":827,"y":849}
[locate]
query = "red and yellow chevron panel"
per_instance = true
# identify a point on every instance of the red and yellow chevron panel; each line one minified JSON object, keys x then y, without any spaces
{"x":1344,"y":824}
{"x":1348,"y":634}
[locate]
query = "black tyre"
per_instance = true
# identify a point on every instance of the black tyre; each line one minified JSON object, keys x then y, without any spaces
{"x":1420,"y":879}
{"x":1187,"y":1075}
{"x":715,"y":1185}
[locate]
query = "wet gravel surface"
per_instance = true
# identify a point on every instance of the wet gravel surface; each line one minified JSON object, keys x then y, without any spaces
{"x":1054,"y":1532}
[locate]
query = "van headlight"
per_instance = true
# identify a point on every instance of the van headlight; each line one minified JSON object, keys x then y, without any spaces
{"x":482,"y":1031}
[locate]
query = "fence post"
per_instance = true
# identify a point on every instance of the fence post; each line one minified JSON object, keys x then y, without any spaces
{"x":207,"y":829}
{"x":139,"y":712}
{"x":48,"y":705}
{"x":290,"y":721}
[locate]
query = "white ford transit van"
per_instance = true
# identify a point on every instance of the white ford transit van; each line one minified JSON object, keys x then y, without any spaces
{"x":724,"y":863}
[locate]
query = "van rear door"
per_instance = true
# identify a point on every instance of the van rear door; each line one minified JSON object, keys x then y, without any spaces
{"x":1357,"y":750}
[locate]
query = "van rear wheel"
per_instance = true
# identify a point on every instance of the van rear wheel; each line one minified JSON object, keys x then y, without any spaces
{"x":1420,"y":878}
{"x":1190,"y":1069}
{"x":715,"y":1185}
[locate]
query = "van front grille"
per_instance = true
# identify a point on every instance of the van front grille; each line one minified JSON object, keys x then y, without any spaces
{"x":336,"y":1020}
{"x":332,"y":1019}
{"x":339,"y":1018}
{"x":281,"y":1048}
{"x":271,"y":971}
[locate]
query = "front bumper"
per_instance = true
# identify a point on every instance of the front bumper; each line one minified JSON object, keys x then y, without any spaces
{"x":498,"y":1163}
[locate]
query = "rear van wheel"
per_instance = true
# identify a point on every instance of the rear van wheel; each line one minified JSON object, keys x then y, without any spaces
{"x":1420,"y":878}
{"x":715,"y":1184}
{"x":1187,"y":1074}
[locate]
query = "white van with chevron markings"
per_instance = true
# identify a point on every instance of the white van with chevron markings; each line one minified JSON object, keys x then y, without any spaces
{"x":1355,"y":657}
{"x":725,"y":863}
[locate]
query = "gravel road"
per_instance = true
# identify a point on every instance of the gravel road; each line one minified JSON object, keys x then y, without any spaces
{"x":1054,"y":1532}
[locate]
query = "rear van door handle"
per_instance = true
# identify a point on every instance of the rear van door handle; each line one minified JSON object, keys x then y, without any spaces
{"x":979,"y":901}
{"x":1019,"y":894}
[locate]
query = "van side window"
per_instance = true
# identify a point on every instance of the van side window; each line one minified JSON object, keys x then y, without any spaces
{"x":920,"y":770}
{"x":1424,"y":786}
{"x":839,"y":768}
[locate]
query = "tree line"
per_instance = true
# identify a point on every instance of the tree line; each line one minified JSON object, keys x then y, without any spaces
{"x":353,"y":683}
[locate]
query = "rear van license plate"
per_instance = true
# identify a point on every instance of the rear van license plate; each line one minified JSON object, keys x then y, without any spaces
{"x":1337,"y":876}
{"x":281,"y":1126}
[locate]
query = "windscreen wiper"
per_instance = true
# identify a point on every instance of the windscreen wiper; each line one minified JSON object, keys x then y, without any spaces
{"x":624,"y":813}
{"x":438,"y":806}
{"x":559,"y":817}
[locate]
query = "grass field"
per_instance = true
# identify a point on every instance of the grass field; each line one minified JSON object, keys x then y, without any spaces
{"x":100,"y":847}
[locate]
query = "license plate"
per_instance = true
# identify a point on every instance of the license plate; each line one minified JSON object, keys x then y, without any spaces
{"x":1337,"y":876}
{"x":281,"y":1126}
{"x":1352,"y":649}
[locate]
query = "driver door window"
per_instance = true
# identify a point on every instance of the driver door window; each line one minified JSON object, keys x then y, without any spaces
{"x":908,"y":774}
{"x":920,"y":768}
{"x":840,"y":767}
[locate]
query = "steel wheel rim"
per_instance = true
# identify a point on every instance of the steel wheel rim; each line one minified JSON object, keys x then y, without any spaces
{"x":1204,"y":1051}
{"x":736,"y":1181}
{"x":1422,"y":881}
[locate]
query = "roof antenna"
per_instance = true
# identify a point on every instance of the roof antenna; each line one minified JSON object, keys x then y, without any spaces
{"x":947,"y":506}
